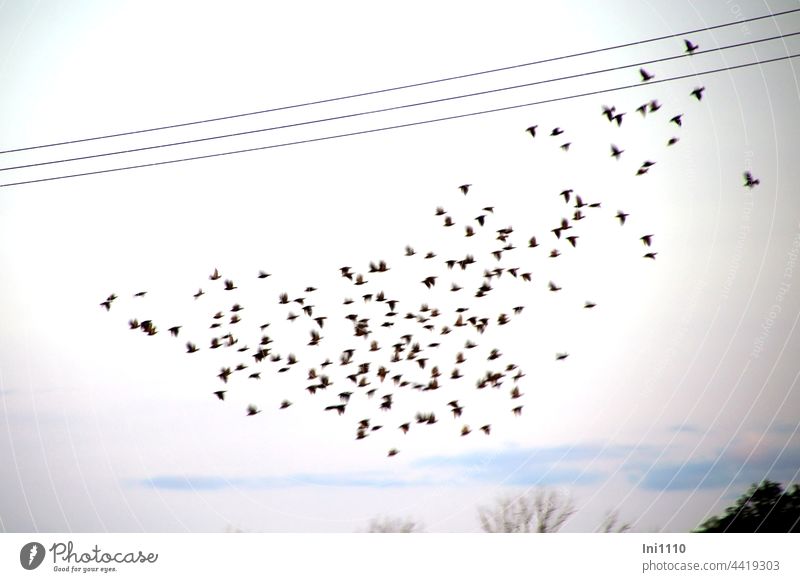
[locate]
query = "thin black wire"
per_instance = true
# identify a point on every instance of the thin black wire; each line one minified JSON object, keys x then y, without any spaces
{"x":395,"y":107}
{"x":410,"y":86}
{"x":411,"y":124}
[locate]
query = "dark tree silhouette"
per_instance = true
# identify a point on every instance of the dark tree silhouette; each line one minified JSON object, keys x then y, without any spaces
{"x":766,"y":507}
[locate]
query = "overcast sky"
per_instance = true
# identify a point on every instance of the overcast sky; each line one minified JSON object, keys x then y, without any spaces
{"x":681,"y":385}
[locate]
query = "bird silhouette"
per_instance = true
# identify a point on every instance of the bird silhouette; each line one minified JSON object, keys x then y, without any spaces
{"x":690,"y":48}
{"x":645,"y":75}
{"x":697,"y":93}
{"x":749,"y":181}
{"x":429,"y":281}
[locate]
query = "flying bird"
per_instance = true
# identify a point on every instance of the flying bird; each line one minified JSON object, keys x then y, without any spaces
{"x":107,"y":302}
{"x":690,"y":48}
{"x":749,"y":181}
{"x":532,"y":130}
{"x":697,"y":93}
{"x":645,"y":75}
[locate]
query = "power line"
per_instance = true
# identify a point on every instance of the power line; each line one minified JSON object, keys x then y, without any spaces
{"x":409,"y":86}
{"x":410,"y":124}
{"x":396,"y":107}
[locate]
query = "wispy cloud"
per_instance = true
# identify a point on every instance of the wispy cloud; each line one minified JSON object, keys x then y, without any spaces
{"x":560,"y":465}
{"x":726,"y":469}
{"x":563,"y":465}
{"x":686,"y":428}
{"x":213,"y":482}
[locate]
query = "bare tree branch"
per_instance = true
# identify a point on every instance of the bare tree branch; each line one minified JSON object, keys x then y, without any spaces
{"x":394,"y":525}
{"x":610,"y":524}
{"x":541,"y":511}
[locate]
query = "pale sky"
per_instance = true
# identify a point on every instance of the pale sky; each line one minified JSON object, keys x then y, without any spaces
{"x":681,"y":385}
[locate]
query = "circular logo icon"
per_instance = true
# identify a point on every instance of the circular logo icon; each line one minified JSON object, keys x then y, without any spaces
{"x":31,"y":555}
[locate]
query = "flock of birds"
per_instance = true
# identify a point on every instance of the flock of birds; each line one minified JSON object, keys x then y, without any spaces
{"x":399,"y":348}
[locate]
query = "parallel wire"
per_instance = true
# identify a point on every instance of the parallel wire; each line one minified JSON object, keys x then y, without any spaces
{"x":409,"y":86}
{"x":410,"y":124}
{"x":398,"y":107}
